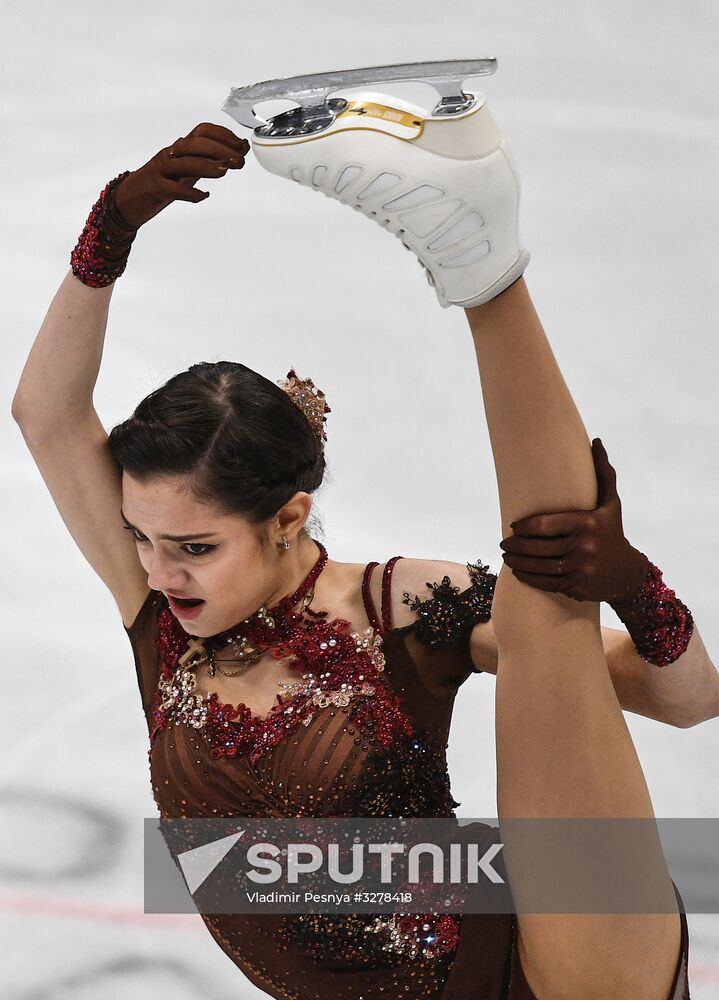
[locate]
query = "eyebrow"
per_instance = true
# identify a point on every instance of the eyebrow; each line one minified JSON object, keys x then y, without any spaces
{"x":171,"y":538}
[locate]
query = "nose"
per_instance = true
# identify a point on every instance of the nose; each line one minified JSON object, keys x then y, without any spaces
{"x":163,"y":574}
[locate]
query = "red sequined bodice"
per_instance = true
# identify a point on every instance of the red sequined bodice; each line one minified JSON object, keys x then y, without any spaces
{"x":363,"y":734}
{"x":357,"y":734}
{"x":343,"y":741}
{"x":334,"y":666}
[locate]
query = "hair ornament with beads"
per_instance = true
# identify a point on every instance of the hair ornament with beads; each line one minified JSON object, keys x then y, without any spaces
{"x":310,"y":400}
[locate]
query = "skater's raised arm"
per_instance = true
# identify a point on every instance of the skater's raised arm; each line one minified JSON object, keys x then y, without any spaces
{"x":56,"y":387}
{"x":53,"y":403}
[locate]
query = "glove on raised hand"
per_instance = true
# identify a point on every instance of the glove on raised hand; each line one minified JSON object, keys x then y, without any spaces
{"x":207,"y":151}
{"x":584,"y":553}
{"x":134,"y":197}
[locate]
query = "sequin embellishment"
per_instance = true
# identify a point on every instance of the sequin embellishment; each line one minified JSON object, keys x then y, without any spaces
{"x":426,"y":935}
{"x":658,"y":622}
{"x":446,"y":616}
{"x":391,"y":938}
{"x":101,"y":252}
{"x":338,"y":666}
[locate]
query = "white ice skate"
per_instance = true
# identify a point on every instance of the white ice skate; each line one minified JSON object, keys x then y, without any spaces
{"x":443,"y":182}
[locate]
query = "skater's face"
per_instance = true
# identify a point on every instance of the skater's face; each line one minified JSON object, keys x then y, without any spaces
{"x":222,"y":559}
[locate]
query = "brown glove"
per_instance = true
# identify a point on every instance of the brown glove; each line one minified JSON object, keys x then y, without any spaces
{"x":207,"y":151}
{"x":582,"y":554}
{"x":134,"y":197}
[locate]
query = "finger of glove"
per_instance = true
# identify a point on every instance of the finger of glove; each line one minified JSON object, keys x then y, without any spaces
{"x":219,"y":133}
{"x":212,"y":148}
{"x":552,"y":525}
{"x":606,"y":474}
{"x":195,"y":166}
{"x":541,"y":567}
{"x":175,"y":191}
{"x":541,"y":547}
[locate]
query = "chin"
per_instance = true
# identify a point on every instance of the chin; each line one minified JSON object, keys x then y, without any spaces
{"x":222,"y":624}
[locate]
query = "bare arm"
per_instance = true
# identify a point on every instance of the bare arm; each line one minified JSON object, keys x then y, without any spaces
{"x":53,"y":406}
{"x":682,"y":694}
{"x":53,"y":403}
{"x":58,"y":380}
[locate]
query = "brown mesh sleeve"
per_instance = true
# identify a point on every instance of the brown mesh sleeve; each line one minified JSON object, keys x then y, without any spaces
{"x":444,"y":669}
{"x":440,"y":640}
{"x":142,"y":635}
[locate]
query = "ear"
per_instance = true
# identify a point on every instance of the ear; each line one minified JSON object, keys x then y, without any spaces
{"x":290,"y":519}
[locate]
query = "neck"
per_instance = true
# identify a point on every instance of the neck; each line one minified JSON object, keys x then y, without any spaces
{"x":293,"y":566}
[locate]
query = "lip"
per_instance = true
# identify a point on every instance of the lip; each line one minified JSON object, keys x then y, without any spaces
{"x":179,"y":611}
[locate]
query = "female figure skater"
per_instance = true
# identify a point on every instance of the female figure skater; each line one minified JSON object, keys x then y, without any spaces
{"x":278,"y":682}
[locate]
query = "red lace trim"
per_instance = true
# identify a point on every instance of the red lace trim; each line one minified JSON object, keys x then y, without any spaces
{"x":337,"y":666}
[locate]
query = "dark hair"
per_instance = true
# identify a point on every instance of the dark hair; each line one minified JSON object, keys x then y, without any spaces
{"x":246,"y":446}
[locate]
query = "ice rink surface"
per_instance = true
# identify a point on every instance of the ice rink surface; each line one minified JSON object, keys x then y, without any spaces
{"x":611,"y":112}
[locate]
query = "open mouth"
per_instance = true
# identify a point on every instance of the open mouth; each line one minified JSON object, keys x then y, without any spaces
{"x":186,"y":602}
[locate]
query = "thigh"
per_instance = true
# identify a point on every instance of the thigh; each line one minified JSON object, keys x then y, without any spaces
{"x":564,"y":751}
{"x":519,"y":988}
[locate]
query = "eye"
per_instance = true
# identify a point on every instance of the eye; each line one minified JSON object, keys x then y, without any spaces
{"x":206,"y":549}
{"x":138,"y":536}
{"x":198,"y":545}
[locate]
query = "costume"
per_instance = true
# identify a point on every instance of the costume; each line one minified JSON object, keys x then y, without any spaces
{"x":375,"y":747}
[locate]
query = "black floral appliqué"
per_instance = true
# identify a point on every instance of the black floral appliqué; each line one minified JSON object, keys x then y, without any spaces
{"x":446,"y":616}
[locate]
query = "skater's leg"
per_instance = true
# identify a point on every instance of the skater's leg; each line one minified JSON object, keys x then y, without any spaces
{"x":563,"y":747}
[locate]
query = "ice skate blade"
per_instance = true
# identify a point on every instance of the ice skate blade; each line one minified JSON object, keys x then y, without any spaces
{"x":316,"y":111}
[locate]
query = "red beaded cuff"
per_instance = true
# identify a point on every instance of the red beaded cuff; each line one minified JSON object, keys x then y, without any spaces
{"x":101,"y":253}
{"x":659,"y":624}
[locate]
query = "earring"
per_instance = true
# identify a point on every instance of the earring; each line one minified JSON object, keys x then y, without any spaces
{"x":285,"y":543}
